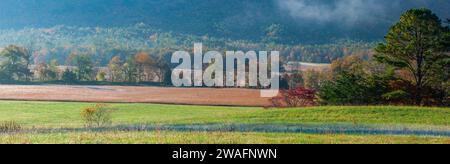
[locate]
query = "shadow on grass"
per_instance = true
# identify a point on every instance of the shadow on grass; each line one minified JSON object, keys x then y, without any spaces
{"x":297,"y":128}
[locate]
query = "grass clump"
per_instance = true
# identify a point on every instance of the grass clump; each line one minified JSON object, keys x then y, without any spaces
{"x":9,"y":126}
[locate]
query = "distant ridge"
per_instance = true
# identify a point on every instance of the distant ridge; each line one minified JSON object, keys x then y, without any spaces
{"x":235,"y":19}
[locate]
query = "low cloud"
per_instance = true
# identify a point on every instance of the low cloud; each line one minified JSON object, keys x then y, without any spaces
{"x":340,"y":11}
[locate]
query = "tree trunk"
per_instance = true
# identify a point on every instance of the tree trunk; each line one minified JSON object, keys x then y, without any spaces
{"x":420,"y":74}
{"x":419,"y":85}
{"x":418,"y":97}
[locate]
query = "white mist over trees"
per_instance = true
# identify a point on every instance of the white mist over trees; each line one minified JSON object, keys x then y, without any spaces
{"x":345,"y":11}
{"x":351,"y":12}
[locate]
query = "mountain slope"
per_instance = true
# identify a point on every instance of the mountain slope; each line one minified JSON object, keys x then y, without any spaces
{"x":312,"y":21}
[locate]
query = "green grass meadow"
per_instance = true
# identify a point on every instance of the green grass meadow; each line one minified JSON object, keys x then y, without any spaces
{"x":61,"y":122}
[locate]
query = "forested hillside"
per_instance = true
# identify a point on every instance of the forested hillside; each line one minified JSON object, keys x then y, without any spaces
{"x":60,"y":42}
{"x":286,"y":21}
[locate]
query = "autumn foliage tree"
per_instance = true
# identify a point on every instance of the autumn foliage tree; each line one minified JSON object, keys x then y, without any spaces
{"x":47,"y":72}
{"x":129,"y":70}
{"x":115,"y":69}
{"x":144,"y":64}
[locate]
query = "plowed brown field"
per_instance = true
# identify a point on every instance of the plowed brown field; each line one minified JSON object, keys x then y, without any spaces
{"x":132,"y":94}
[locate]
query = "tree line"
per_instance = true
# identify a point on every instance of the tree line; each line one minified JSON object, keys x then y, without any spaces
{"x":16,"y":66}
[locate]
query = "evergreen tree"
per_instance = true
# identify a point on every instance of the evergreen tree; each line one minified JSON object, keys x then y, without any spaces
{"x":418,"y":43}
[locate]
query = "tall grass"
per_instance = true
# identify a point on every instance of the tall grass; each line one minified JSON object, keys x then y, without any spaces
{"x":9,"y":126}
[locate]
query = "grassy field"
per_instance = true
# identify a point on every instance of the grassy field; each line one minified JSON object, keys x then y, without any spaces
{"x":58,"y":122}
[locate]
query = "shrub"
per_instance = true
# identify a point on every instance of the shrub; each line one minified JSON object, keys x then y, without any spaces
{"x":349,"y":88}
{"x":298,"y":97}
{"x":97,"y":116}
{"x":346,"y":89}
{"x":101,"y":76}
{"x":9,"y":126}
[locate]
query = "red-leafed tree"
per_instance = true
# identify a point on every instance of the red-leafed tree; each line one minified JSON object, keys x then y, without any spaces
{"x":298,"y":97}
